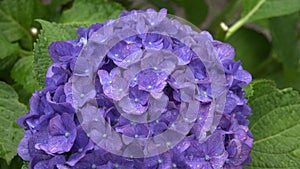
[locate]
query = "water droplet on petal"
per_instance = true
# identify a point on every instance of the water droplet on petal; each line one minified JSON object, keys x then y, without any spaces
{"x":207,"y":158}
{"x":174,"y":165}
{"x":67,"y":134}
{"x":227,"y":161}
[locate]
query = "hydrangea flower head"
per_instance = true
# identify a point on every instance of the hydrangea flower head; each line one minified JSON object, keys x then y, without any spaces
{"x":143,"y":91}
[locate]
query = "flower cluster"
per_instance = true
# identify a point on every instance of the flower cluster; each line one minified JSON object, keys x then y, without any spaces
{"x":142,"y":86}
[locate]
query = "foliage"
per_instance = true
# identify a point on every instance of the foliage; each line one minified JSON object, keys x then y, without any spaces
{"x":50,"y":33}
{"x":11,"y":133}
{"x":276,"y":118}
{"x":264,"y":33}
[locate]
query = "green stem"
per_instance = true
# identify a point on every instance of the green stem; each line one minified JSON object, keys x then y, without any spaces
{"x":243,"y":20}
{"x":228,"y":12}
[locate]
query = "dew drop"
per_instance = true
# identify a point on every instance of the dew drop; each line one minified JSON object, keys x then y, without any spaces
{"x":81,"y":95}
{"x":174,"y":165}
{"x":67,"y":134}
{"x":207,"y":158}
{"x":227,"y":161}
{"x":34,"y":31}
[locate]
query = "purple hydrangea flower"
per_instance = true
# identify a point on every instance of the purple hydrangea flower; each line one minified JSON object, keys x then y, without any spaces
{"x":147,"y":76}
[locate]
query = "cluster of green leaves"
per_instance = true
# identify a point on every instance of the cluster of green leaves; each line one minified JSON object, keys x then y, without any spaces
{"x":264,"y":33}
{"x":276,"y":53}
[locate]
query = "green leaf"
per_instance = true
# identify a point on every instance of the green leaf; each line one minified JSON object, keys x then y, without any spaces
{"x":269,"y":8}
{"x":16,"y":163}
{"x":262,"y":9}
{"x":57,"y":3}
{"x":51,"y":10}
{"x":25,"y":165}
{"x":6,"y":47}
{"x":7,"y":92}
{"x":22,"y":73}
{"x":51,"y":32}
{"x":24,"y":95}
{"x":10,"y":132}
{"x":251,"y":47}
{"x":82,"y":14}
{"x":16,"y":18}
{"x":195,"y":10}
{"x":284,"y":40}
{"x":3,"y":164}
{"x":275,"y":126}
{"x":5,"y":65}
{"x":91,"y":11}
{"x":285,"y":76}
